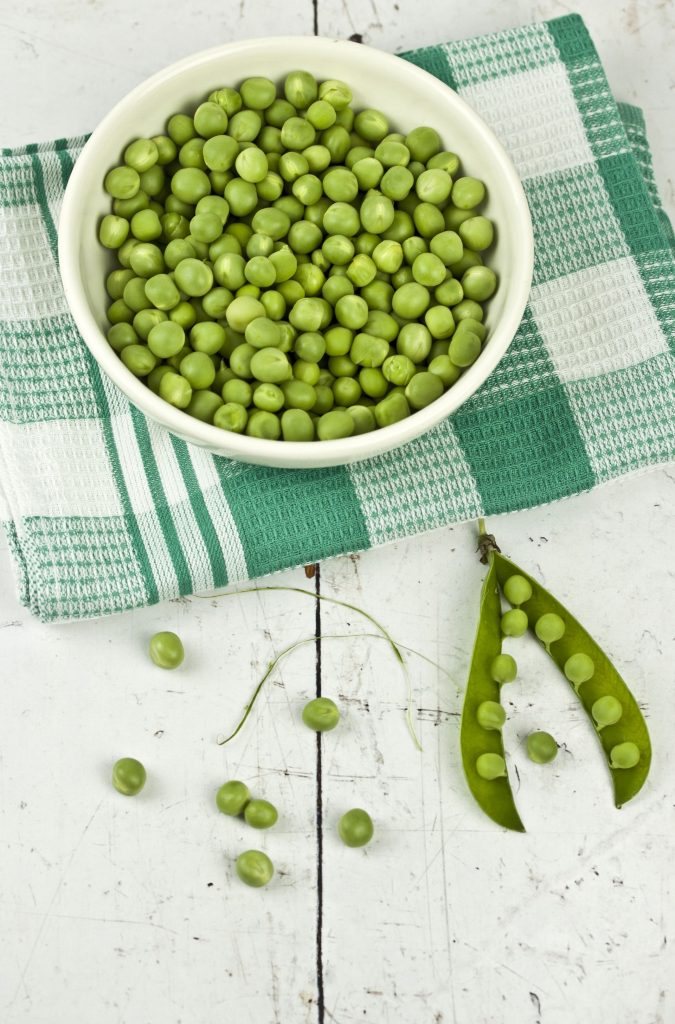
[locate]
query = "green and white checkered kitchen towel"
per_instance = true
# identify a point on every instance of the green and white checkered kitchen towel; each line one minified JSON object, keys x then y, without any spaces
{"x":106,"y":511}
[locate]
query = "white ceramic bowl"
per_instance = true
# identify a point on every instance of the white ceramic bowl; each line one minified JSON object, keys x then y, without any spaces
{"x":410,"y":97}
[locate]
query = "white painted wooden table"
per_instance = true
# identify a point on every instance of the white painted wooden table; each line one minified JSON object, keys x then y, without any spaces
{"x":117,"y":911}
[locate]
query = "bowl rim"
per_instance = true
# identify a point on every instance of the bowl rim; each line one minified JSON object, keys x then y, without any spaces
{"x":308,"y":454}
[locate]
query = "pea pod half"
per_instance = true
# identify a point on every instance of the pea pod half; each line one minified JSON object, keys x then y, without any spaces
{"x":493,"y":795}
{"x":605,"y":682}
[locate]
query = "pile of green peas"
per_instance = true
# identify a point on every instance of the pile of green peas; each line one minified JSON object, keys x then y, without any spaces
{"x":292,"y":269}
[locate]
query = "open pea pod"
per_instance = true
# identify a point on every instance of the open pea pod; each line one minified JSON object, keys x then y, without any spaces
{"x":605,"y":681}
{"x":494,"y":796}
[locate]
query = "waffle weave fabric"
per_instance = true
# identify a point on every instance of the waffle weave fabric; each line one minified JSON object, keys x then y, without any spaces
{"x":105,"y":511}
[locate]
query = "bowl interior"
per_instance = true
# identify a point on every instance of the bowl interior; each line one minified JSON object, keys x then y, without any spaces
{"x":409,"y":97}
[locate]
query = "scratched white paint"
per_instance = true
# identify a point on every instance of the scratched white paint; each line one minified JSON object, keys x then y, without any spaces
{"x":127,"y":911}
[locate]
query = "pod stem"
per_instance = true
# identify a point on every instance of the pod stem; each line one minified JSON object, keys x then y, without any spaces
{"x":310,"y":640}
{"x":394,"y":647}
{"x":487,"y":544}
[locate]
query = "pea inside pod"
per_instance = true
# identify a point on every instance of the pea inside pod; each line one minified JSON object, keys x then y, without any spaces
{"x":481,"y":741}
{"x":600,"y":689}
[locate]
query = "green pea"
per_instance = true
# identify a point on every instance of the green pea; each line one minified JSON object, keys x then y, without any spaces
{"x":341,"y":219}
{"x":321,"y":714}
{"x":490,"y":715}
{"x":371,"y":125}
{"x":116,"y":281}
{"x":232,"y":417}
{"x":232,"y":797}
{"x":450,"y":294}
{"x":122,"y":182}
{"x":268,"y":397}
{"x":477,"y":233}
{"x":162,"y":292}
{"x":175,"y":390}
{"x":263,"y":424}
{"x":166,"y":149}
{"x":297,"y":425}
{"x":260,"y":814}
{"x":464,"y":349}
{"x":363,"y":417}
{"x":391,"y":409}
{"x":351,"y":311}
{"x":334,"y":424}
{"x":318,"y":157}
{"x":301,"y":89}
{"x":433,"y":186}
{"x":335,"y":92}
{"x":376,"y":213}
{"x":146,"y":260}
{"x":606,"y":711}
{"x":139,"y":359}
{"x":204,"y":405}
{"x":121,"y":335}
{"x":166,"y":339}
{"x":444,"y":368}
{"x":321,"y":115}
{"x":183,"y":314}
{"x":428,"y":220}
{"x":307,"y":373}
{"x":258,"y":93}
{"x":479,"y":283}
{"x":514,"y":622}
{"x":242,"y":310}
{"x":166,"y":650}
{"x":118,"y":312}
{"x":428,"y":269}
{"x":440,"y":321}
{"x":270,"y":366}
{"x":210,"y":119}
{"x":346,"y":390}
{"x":368,"y":172}
{"x":220,"y":152}
{"x":503,"y":668}
{"x":467,"y":193}
{"x":549,"y":628}
{"x":398,"y":370}
{"x":414,"y":341}
{"x":423,"y":143}
{"x":238,"y":391}
{"x":155,"y":376}
{"x":128,"y":776}
{"x":411,"y":300}
{"x":180,"y":128}
{"x":624,"y":755}
{"x":378,"y":295}
{"x":396,"y":183}
{"x":517,"y":590}
{"x":113,"y":231}
{"x":448,"y":246}
{"x":340,"y":184}
{"x":368,"y":350}
{"x":355,"y":827}
{"x":193,"y":277}
{"x":373,"y":382}
{"x":190,"y":184}
{"x":541,"y":747}
{"x":242,"y":197}
{"x":254,"y":868}
{"x":423,"y":389}
{"x":491,"y":766}
{"x":387,"y":256}
{"x":146,"y":319}
{"x":578,"y":669}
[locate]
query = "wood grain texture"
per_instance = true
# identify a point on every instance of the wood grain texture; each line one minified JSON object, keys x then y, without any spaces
{"x":125,"y":911}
